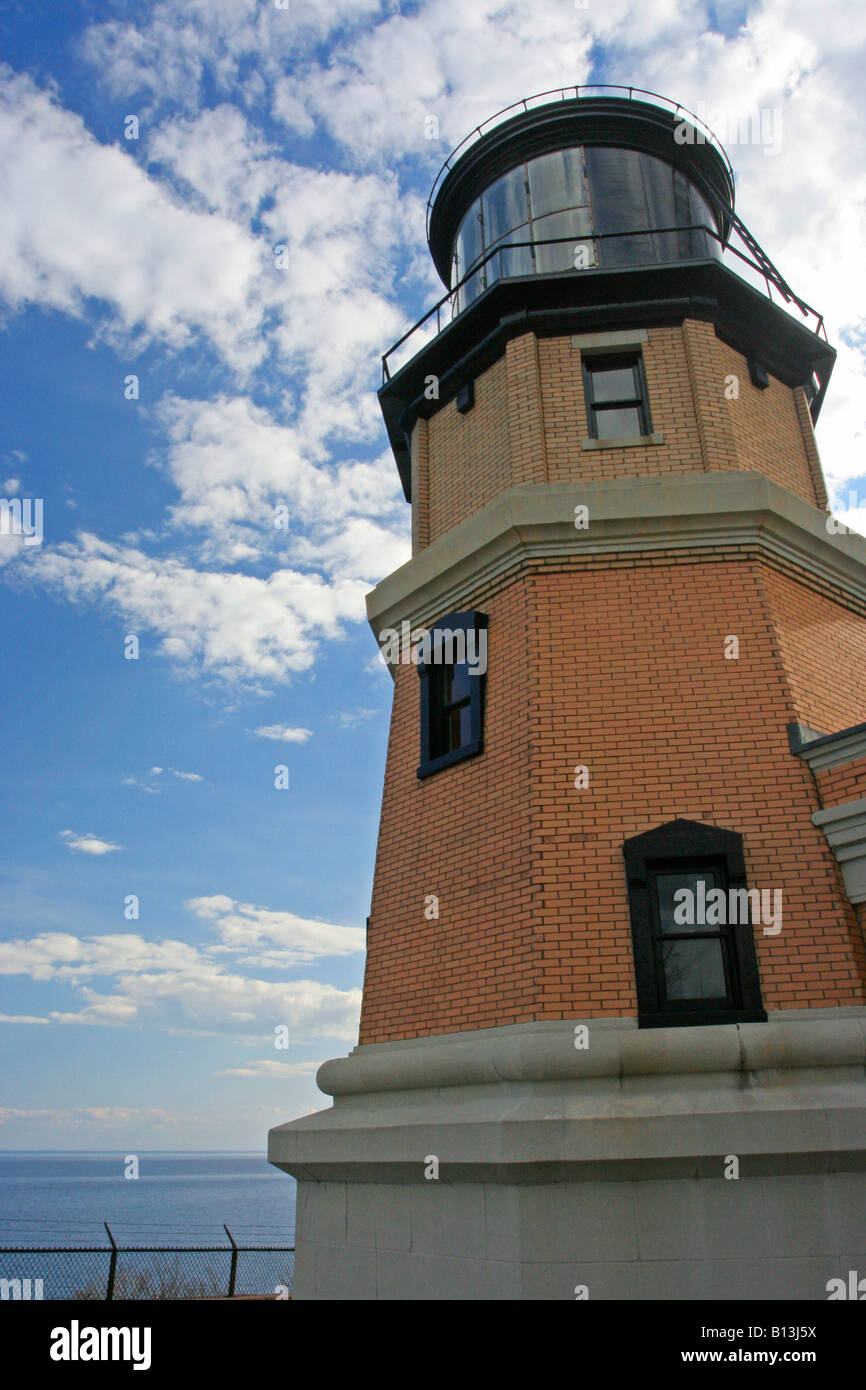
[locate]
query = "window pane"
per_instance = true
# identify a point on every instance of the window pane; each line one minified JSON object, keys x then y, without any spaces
{"x":453,"y":730}
{"x":556,"y":182}
{"x":512,"y":260}
{"x":469,"y":242}
{"x":458,"y":683}
{"x":452,"y":725}
{"x":613,"y":384}
{"x":694,"y":970}
{"x":619,"y":422}
{"x":505,"y":206}
{"x":575,"y":226}
{"x":672,"y":910}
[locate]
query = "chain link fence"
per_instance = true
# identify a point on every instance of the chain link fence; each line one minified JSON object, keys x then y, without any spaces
{"x":106,"y":1272}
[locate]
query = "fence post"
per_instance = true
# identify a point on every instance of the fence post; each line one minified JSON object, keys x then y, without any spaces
{"x":112,"y":1267}
{"x":234,"y":1268}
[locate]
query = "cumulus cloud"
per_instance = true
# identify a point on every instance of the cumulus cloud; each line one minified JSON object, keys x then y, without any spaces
{"x":87,"y":844}
{"x":227,"y":624}
{"x":283,"y":733}
{"x":179,"y":987}
{"x":260,"y":936}
{"x":82,"y":222}
{"x":168,"y":54}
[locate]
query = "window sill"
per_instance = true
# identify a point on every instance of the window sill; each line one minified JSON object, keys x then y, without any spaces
{"x":458,"y":755}
{"x":629,"y":441}
{"x":697,"y":1017}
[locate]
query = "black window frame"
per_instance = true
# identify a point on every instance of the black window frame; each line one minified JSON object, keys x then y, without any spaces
{"x":683,"y":846}
{"x":430,"y":713}
{"x":639,"y":400}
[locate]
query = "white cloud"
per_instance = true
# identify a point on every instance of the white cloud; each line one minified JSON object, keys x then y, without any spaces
{"x":852,"y":517}
{"x":167,"y":54}
{"x":178,"y":987}
{"x":81,"y":221}
{"x":273,"y":1069}
{"x":87,"y":844}
{"x":142,"y":786}
{"x":100,"y":1115}
{"x":283,"y":733}
{"x":173,"y":772}
{"x":227,"y":624}
{"x":277,"y":939}
{"x":459,"y":64}
{"x":234,"y":464}
{"x":357,"y":717}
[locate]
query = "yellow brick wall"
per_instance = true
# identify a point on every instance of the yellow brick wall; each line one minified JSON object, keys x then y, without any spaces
{"x":529,"y":419}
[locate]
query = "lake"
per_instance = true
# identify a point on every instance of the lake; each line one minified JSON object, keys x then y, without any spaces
{"x":179,"y":1199}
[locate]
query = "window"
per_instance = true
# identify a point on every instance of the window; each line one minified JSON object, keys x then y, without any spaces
{"x":616,"y":396}
{"x":694,"y":945}
{"x":452,"y":669}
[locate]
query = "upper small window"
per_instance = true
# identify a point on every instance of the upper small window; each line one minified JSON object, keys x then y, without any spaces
{"x":616,"y":396}
{"x":452,"y":667}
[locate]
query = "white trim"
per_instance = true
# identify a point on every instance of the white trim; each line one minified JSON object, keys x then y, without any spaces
{"x":671,"y":512}
{"x":845,"y":828}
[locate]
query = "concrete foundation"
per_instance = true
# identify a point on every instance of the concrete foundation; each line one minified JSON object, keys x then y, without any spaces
{"x":511,"y":1164}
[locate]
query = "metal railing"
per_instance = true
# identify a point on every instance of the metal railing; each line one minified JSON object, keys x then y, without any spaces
{"x":753,"y":257}
{"x":114,"y":1272}
{"x":569,"y":94}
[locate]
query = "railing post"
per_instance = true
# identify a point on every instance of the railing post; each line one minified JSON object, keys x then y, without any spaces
{"x":112,"y":1265}
{"x":234,"y":1268}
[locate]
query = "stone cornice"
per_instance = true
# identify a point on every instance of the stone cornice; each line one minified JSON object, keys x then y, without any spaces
{"x":832,"y":750}
{"x":523,"y":1105}
{"x":684,"y":511}
{"x":845,"y":828}
{"x":617,"y":1049}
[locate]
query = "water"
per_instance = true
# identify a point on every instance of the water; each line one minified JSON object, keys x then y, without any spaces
{"x":178,"y":1199}
{"x":64,"y":1198}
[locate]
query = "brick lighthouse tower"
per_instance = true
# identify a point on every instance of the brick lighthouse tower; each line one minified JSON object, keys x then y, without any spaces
{"x":614,"y":1018}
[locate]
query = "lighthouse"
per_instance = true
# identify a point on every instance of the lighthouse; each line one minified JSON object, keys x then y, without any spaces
{"x":613,"y":1029}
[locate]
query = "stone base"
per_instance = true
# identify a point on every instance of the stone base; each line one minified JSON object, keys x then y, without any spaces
{"x":597,"y":1172}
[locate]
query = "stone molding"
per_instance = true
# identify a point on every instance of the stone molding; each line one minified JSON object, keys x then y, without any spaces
{"x":845,"y":828}
{"x":545,"y":1051}
{"x":832,"y":750}
{"x":528,"y":522}
{"x":522,"y":1105}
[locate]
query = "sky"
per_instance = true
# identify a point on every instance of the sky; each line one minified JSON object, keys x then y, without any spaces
{"x":212,"y":226}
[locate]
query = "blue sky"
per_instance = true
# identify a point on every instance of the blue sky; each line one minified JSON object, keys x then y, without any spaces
{"x":260,"y":127}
